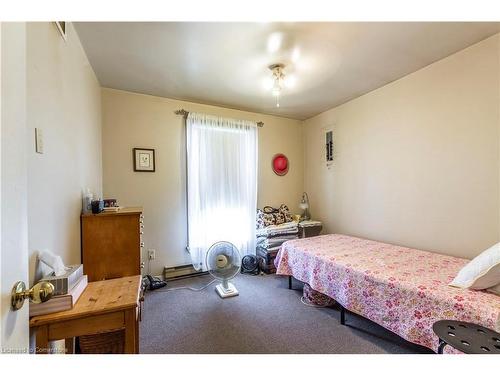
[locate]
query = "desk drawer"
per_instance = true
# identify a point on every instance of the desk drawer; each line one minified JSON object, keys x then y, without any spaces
{"x":86,"y":326}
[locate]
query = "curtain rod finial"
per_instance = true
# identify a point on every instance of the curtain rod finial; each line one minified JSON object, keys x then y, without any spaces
{"x":181,"y":112}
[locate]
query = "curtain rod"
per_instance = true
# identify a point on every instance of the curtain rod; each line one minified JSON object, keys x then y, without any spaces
{"x":184,"y":113}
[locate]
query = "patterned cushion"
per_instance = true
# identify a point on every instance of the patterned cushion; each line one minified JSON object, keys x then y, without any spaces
{"x":273,"y":216}
{"x":264,"y":219}
{"x":269,"y":210}
{"x":260,"y":219}
{"x":286,"y":213}
{"x":279,"y":217}
{"x":269,"y":219}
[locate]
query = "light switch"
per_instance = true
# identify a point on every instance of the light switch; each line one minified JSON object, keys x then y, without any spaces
{"x":38,"y":140}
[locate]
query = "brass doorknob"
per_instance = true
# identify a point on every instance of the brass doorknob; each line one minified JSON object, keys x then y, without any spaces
{"x":40,"y":292}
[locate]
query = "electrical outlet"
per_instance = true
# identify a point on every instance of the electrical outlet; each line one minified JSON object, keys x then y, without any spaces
{"x":151,"y":254}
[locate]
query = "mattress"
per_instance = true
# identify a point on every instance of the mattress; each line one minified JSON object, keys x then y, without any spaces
{"x":404,"y":290}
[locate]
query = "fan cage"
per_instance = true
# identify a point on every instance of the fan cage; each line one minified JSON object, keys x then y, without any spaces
{"x":234,"y":261}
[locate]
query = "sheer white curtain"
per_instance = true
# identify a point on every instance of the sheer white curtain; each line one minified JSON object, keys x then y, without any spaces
{"x":222,"y":184}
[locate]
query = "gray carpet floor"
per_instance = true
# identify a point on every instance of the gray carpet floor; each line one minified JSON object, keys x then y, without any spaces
{"x":266,"y":317}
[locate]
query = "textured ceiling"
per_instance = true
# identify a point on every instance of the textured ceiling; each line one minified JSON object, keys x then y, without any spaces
{"x":226,"y":64}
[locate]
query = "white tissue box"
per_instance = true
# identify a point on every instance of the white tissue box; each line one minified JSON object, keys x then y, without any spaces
{"x":61,"y":302}
{"x":63,"y":284}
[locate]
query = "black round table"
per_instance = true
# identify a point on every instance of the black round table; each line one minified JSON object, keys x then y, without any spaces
{"x":469,"y":338}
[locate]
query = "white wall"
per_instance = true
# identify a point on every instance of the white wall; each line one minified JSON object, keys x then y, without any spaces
{"x":416,"y":162}
{"x":64,"y":100}
{"x":135,"y":120}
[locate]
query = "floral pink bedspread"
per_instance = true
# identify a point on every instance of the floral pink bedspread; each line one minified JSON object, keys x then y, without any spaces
{"x":402,"y":289}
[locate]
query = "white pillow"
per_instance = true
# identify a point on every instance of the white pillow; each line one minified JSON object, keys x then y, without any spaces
{"x":495,"y":289}
{"x":481,"y":272}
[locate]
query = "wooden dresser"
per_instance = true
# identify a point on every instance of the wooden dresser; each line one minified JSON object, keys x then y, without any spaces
{"x":112,"y":243}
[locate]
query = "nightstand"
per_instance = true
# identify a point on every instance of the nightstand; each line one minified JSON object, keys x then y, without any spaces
{"x":310,"y":228}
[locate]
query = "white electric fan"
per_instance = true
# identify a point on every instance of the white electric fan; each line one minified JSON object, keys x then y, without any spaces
{"x":223,"y":262}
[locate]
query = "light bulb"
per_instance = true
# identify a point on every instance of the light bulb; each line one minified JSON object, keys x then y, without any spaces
{"x":267,"y":83}
{"x":276,"y":87}
{"x":290,"y":81}
{"x":274,"y":42}
{"x":279,"y":81}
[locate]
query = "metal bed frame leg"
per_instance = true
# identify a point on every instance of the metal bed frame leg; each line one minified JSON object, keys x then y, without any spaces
{"x":289,"y":282}
{"x":342,"y":315}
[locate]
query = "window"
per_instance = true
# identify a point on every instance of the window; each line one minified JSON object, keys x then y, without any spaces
{"x":222,"y":184}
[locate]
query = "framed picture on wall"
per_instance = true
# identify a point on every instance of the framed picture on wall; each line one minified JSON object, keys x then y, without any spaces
{"x":144,"y":159}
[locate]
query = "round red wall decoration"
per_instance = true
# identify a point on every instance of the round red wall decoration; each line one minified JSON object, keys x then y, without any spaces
{"x":280,"y":164}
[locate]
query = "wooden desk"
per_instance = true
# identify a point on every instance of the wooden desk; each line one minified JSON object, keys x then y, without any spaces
{"x":103,"y":306}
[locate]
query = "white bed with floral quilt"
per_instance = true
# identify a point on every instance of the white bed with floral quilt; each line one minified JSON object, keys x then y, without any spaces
{"x":402,"y":289}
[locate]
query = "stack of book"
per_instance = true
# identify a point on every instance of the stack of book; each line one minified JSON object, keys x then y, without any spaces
{"x":67,"y":290}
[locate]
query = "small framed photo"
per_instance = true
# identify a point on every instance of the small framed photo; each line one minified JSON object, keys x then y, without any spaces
{"x":144,"y":159}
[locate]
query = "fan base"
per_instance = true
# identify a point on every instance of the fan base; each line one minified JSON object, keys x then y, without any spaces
{"x":231,"y":291}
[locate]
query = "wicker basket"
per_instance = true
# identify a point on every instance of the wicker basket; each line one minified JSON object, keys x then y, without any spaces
{"x":112,"y":342}
{"x":316,"y":298}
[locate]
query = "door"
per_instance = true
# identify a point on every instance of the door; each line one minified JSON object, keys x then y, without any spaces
{"x":14,"y":328}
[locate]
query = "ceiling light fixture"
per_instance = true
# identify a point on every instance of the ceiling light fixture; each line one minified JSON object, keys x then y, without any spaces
{"x":278,"y":78}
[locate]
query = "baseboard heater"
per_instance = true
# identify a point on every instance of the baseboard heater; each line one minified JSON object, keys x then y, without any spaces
{"x":181,"y":272}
